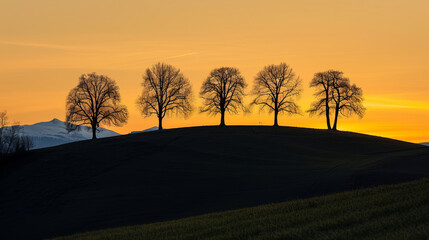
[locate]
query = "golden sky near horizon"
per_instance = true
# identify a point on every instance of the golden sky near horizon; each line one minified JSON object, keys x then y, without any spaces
{"x":382,"y":46}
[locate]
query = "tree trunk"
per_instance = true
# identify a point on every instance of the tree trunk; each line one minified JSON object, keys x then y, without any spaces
{"x":222,"y":118}
{"x":160,"y":123}
{"x":94,"y":132}
{"x":328,"y":120}
{"x":336,"y":117}
{"x":276,"y":113}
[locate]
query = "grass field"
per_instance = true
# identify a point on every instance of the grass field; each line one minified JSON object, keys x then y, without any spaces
{"x":385,"y":212}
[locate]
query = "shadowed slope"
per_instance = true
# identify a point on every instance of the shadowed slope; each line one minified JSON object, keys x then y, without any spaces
{"x":155,"y":176}
{"x":380,"y":213}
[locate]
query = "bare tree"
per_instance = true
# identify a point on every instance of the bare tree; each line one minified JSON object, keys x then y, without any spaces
{"x":3,"y":119}
{"x":335,"y":93}
{"x":223,"y":91}
{"x":3,"y":134}
{"x":321,"y":106}
{"x":95,"y":101}
{"x":12,"y":138}
{"x":9,"y":135}
{"x":276,"y":87}
{"x":165,"y":91}
{"x":347,"y":98}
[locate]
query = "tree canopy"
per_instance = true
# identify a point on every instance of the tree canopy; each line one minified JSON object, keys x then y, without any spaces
{"x":165,"y":91}
{"x":223,"y":91}
{"x":276,"y":88}
{"x":335,"y":96}
{"x":95,"y":101}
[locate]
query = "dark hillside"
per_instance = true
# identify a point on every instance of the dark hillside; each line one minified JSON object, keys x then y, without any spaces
{"x":379,"y":213}
{"x":156,"y":176}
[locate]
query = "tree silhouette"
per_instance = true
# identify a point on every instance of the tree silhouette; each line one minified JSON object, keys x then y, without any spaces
{"x":165,"y":90}
{"x":95,"y":101}
{"x":346,"y":98}
{"x":223,"y":91}
{"x":3,"y":120}
{"x":276,"y":88}
{"x":323,"y":85}
{"x":334,"y":92}
{"x":12,"y":138}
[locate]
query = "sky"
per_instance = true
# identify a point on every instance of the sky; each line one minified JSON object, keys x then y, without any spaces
{"x":380,"y":45}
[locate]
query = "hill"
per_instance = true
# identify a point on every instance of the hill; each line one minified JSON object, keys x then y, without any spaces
{"x":158,"y":176}
{"x":385,"y":212}
{"x":54,"y":133}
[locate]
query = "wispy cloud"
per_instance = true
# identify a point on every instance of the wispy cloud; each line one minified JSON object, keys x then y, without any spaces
{"x":384,"y":105}
{"x":38,"y":45}
{"x":182,"y":55}
{"x":380,"y":101}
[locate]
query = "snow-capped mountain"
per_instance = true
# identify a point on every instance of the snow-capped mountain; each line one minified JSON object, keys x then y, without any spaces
{"x":54,"y":132}
{"x":147,"y":130}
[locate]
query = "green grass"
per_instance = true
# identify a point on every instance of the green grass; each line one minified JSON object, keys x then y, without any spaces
{"x":385,"y":212}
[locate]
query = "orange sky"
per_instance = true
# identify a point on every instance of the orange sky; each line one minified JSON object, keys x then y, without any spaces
{"x":382,"y":46}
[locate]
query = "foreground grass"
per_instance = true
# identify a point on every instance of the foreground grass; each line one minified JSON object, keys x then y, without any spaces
{"x":385,"y":212}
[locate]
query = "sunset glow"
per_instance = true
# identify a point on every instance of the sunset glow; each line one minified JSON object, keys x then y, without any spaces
{"x":382,"y":46}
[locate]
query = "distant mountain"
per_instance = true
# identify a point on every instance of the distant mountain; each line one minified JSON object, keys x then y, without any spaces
{"x":53,"y":133}
{"x":425,"y":143}
{"x":147,"y":130}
